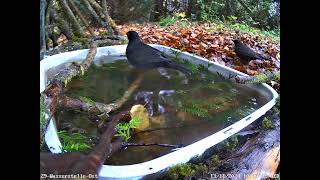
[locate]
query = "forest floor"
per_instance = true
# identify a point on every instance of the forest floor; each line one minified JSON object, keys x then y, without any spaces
{"x":214,"y":42}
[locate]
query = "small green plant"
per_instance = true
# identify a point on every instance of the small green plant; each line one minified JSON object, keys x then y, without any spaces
{"x":124,"y":129}
{"x":267,"y":123}
{"x":74,"y":142}
{"x":197,"y":110}
{"x":167,"y":21}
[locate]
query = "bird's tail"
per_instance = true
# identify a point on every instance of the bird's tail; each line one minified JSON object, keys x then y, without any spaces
{"x":180,"y":68}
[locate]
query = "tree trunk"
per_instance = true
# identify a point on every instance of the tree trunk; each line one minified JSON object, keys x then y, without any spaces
{"x":228,"y":11}
{"x":103,"y":14}
{"x":94,"y":14}
{"x":72,"y":19}
{"x":42,"y":29}
{"x":49,"y":6}
{"x":50,"y":34}
{"x":191,"y":7}
{"x":109,"y":19}
{"x":158,"y":10}
{"x":63,"y":26}
{"x":258,"y":158}
{"x":48,"y":21}
{"x":83,"y":19}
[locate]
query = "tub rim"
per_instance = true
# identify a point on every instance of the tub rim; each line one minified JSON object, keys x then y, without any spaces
{"x":182,"y":155}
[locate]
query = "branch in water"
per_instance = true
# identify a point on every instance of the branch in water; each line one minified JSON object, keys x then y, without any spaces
{"x":154,"y":144}
{"x":87,"y":105}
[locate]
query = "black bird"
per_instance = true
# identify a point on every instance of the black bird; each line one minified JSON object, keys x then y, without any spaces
{"x":245,"y":53}
{"x":143,"y":56}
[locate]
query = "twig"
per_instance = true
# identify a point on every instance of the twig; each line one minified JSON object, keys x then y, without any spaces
{"x":128,"y":93}
{"x":153,"y":144}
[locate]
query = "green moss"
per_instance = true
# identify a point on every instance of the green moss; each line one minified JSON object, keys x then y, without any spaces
{"x":200,"y":168}
{"x":103,"y":33}
{"x":87,"y":100}
{"x":42,"y":111}
{"x":43,"y":120}
{"x":260,"y":78}
{"x":181,"y":171}
{"x":231,"y":143}
{"x":186,"y":171}
{"x":266,"y":123}
{"x":214,"y":160}
{"x":83,"y":41}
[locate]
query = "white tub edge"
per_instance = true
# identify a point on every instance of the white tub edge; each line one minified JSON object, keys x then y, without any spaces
{"x":183,"y":155}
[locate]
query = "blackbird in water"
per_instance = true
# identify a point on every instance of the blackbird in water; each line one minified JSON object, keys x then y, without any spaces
{"x":143,"y":56}
{"x":245,"y":53}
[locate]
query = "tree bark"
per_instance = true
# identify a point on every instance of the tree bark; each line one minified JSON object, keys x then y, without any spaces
{"x":92,"y":163}
{"x":83,"y":19}
{"x":111,"y":22}
{"x":192,"y":4}
{"x":63,"y":26}
{"x":105,"y":14}
{"x":158,"y":10}
{"x":42,"y":29}
{"x":78,"y":163}
{"x":258,"y":158}
{"x":49,"y":24}
{"x":94,"y":14}
{"x":54,"y":37}
{"x":49,"y":6}
{"x":72,"y":19}
{"x":55,"y":89}
{"x":104,"y":5}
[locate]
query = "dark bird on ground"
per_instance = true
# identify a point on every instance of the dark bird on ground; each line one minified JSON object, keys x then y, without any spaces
{"x":143,"y":56}
{"x":245,"y":53}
